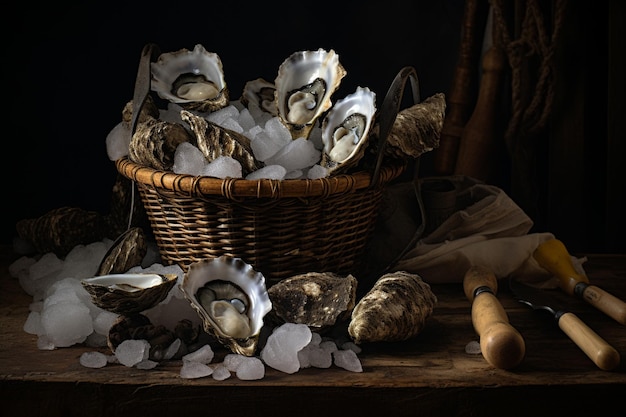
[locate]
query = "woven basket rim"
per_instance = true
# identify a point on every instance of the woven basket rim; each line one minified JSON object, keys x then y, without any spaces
{"x":233,"y":188}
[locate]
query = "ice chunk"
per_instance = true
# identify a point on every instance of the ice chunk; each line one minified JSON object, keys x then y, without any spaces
{"x":118,"y":141}
{"x":347,"y":360}
{"x":93,"y":360}
{"x":250,"y":368}
{"x":132,"y":351}
{"x":66,"y":323}
{"x":281,"y":350}
{"x":274,"y":172}
{"x":203,"y":355}
{"x":220,"y":372}
{"x":188,"y":159}
{"x":223,"y":167}
{"x":192,"y":370}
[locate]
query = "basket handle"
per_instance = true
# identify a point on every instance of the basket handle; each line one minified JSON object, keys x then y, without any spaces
{"x":390,"y":109}
{"x":149,"y":53}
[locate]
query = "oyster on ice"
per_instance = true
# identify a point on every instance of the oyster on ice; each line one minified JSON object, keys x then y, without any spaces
{"x":260,"y":93}
{"x":345,"y":130}
{"x":305,"y":83}
{"x":231,"y":299}
{"x":193,"y":79}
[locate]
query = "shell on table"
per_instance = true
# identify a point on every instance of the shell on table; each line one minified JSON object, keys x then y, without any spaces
{"x":394,"y":309}
{"x":193,"y":79}
{"x":317,"y":299}
{"x":231,"y":299}
{"x":346,"y":128}
{"x":129,"y":293}
{"x":305,"y":82}
{"x":215,"y":141}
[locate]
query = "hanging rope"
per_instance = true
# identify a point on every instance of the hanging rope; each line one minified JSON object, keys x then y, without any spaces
{"x":530,"y":117}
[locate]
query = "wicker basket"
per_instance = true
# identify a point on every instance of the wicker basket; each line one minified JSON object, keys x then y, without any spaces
{"x":282,"y":228}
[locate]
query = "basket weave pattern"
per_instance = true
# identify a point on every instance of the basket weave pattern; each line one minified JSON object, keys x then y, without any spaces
{"x":282,"y":228}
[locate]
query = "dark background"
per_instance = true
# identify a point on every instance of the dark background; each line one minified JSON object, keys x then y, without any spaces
{"x":73,"y":78}
{"x":70,"y":69}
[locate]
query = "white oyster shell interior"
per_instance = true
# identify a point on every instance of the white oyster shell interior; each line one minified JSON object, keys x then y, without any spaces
{"x":126,"y":282}
{"x":187,"y":76}
{"x":304,"y":85}
{"x":346,"y":127}
{"x":231,"y":299}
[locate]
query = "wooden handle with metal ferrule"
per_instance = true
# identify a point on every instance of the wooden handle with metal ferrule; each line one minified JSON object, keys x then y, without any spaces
{"x":596,"y":348}
{"x":603,"y":301}
{"x":553,"y":256}
{"x":501,"y":344}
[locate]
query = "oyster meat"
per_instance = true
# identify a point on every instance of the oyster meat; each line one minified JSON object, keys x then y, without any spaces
{"x":305,"y":83}
{"x":231,"y":299}
{"x":129,"y":294}
{"x":394,"y":309}
{"x":317,"y":299}
{"x":345,"y":130}
{"x":193,"y":79}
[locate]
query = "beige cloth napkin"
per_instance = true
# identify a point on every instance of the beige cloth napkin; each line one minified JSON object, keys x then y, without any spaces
{"x":485,"y":228}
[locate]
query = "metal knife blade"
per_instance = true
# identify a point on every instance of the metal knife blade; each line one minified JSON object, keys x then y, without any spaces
{"x":595,"y":347}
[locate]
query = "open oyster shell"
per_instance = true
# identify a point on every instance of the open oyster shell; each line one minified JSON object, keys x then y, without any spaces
{"x":129,"y":294}
{"x":345,"y":130}
{"x":193,"y":79}
{"x":305,"y":83}
{"x":231,"y":299}
{"x":260,"y":93}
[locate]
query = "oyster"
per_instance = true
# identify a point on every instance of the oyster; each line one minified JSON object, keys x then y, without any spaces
{"x":305,"y":83}
{"x":193,"y":79}
{"x":231,"y":299}
{"x":317,"y":299}
{"x":394,"y":309}
{"x":154,"y":143}
{"x":129,"y":294}
{"x":127,"y":251}
{"x":214,"y":141}
{"x":345,"y":130}
{"x":417,"y":129}
{"x":260,"y":93}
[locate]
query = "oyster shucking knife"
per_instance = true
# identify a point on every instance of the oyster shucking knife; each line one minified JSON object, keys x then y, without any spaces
{"x":597,"y":349}
{"x":552,"y":255}
{"x":500,"y":343}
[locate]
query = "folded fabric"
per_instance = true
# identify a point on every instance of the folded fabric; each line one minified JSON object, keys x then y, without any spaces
{"x":485,"y":228}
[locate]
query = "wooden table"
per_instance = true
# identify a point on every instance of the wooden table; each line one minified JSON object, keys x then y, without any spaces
{"x":429,"y":375}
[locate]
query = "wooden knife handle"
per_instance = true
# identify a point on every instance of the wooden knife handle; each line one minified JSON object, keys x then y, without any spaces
{"x":603,"y":301}
{"x":597,"y":349}
{"x":500,"y":343}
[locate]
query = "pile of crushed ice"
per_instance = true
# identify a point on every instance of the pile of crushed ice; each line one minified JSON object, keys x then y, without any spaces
{"x":270,"y":140}
{"x":62,"y":314}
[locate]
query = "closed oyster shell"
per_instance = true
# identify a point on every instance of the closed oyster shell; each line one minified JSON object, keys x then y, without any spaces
{"x":127,"y":251}
{"x":394,"y":309}
{"x":317,"y":299}
{"x":61,"y":229}
{"x":215,"y":141}
{"x":148,"y":111}
{"x":417,"y":129}
{"x":231,"y":299}
{"x":154,"y":143}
